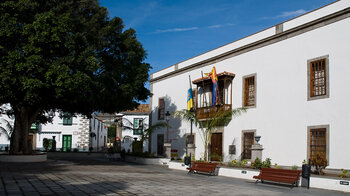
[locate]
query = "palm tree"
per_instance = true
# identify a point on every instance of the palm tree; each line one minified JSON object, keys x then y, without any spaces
{"x":208,"y":125}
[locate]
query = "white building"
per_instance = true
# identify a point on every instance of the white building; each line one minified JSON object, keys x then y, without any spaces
{"x":135,"y":122}
{"x":98,"y":134}
{"x":70,"y":132}
{"x":292,"y":78}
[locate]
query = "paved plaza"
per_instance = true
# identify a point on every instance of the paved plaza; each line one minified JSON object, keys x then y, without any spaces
{"x":102,"y":177}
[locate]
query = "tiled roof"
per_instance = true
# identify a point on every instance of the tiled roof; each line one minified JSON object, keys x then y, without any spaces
{"x":141,"y":109}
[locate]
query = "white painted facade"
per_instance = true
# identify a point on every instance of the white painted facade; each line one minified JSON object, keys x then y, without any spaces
{"x":283,"y":112}
{"x":129,"y":135}
{"x":98,"y":134}
{"x":78,"y":131}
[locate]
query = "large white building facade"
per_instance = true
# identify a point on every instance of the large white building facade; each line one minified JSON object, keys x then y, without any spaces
{"x":292,"y":78}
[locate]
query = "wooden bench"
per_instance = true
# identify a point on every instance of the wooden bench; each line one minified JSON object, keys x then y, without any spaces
{"x":279,"y":175}
{"x":202,"y":167}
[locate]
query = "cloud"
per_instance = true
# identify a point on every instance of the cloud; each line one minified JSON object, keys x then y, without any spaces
{"x":176,"y":30}
{"x":286,"y":14}
{"x":219,"y":25}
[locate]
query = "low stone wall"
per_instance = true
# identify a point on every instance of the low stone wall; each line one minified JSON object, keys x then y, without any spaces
{"x":23,"y":158}
{"x":147,"y":161}
{"x":247,"y":174}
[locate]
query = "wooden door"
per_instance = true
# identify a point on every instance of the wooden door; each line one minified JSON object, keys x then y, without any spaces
{"x":67,"y":143}
{"x":160,"y":144}
{"x":248,"y":141}
{"x":216,"y":147}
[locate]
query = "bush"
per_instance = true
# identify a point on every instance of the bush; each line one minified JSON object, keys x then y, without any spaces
{"x":294,"y":167}
{"x":258,"y":164}
{"x":320,"y":162}
{"x":46,"y":143}
{"x":344,"y":174}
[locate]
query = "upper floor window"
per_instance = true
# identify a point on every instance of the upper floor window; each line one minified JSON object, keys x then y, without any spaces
{"x":249,"y":90}
{"x":161,"y":108}
{"x":138,"y":126}
{"x":67,"y":118}
{"x":318,"y":78}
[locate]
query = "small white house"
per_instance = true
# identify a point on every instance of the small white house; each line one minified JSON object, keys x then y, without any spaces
{"x":70,"y":132}
{"x":98,"y":134}
{"x":134,"y":124}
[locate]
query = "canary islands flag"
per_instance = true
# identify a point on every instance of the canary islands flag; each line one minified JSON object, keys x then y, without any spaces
{"x":189,"y":99}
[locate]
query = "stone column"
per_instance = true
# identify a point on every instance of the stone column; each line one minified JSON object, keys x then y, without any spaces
{"x":257,"y":151}
{"x":167,"y":150}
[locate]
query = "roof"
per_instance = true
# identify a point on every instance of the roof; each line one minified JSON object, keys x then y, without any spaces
{"x":141,"y":109}
{"x":222,"y":74}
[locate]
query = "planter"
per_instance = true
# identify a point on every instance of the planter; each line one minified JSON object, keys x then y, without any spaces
{"x":39,"y":157}
{"x":147,"y":161}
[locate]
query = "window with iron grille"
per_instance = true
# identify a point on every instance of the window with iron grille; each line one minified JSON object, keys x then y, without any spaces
{"x":318,"y":142}
{"x":248,"y":141}
{"x":249,"y":91}
{"x":318,"y":78}
{"x":161,"y":108}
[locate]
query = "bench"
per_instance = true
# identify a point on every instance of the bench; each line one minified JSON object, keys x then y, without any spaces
{"x":279,"y":175}
{"x":202,"y":167}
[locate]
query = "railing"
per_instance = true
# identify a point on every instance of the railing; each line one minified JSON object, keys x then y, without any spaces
{"x":209,"y":112}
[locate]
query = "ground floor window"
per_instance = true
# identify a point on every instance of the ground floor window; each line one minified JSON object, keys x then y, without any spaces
{"x":318,"y":141}
{"x":247,"y":142}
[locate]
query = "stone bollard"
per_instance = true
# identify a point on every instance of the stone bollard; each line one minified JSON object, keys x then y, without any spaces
{"x":257,"y":151}
{"x":167,"y":147}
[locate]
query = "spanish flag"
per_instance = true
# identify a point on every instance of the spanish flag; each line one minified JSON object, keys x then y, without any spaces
{"x":189,"y":97}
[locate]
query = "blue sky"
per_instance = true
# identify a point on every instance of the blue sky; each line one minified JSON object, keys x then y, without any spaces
{"x":175,"y":30}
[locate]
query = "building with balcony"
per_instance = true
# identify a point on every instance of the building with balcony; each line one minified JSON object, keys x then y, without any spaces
{"x":291,"y":79}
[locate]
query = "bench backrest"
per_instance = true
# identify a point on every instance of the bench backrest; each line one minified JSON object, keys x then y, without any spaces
{"x":280,"y":172}
{"x":204,"y":165}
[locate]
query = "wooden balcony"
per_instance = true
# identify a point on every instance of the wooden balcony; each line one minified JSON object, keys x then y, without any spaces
{"x":209,"y":112}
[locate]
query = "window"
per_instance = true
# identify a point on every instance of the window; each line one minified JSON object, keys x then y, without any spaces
{"x":138,"y":126}
{"x":318,"y":78}
{"x":249,"y":90}
{"x":67,"y":118}
{"x":318,"y":141}
{"x":248,"y":141}
{"x":161,"y":109}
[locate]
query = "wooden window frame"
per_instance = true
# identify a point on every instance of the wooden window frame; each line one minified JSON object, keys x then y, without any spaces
{"x":245,"y":90}
{"x":309,"y":142}
{"x":310,"y":78}
{"x":161,"y":110}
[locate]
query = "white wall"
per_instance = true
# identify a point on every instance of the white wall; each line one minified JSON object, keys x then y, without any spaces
{"x":100,"y":129}
{"x":128,"y":134}
{"x":283,"y":113}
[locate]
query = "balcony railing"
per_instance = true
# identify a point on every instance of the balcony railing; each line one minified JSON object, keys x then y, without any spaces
{"x":209,"y":112}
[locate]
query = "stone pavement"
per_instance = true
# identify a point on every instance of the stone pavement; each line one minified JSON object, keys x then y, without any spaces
{"x":102,"y":177}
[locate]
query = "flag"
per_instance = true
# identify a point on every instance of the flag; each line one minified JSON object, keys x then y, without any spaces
{"x":189,"y":98}
{"x":214,"y":79}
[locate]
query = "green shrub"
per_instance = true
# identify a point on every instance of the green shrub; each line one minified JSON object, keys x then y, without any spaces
{"x":320,"y":162}
{"x":294,"y":167}
{"x":258,"y":164}
{"x":46,"y":143}
{"x":230,"y":164}
{"x":344,"y":174}
{"x":266,"y":163}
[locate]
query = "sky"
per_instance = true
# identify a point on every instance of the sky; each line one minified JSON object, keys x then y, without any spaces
{"x":172,"y":31}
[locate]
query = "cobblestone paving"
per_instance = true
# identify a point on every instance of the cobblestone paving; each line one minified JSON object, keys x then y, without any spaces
{"x":101,"y":177}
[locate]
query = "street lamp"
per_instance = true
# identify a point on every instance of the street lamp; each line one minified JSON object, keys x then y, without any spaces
{"x":167,"y":116}
{"x":257,"y":139}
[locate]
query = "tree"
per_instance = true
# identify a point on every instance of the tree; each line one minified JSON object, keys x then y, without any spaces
{"x":66,"y":55}
{"x":208,"y":125}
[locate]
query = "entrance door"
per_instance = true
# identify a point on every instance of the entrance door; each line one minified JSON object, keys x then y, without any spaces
{"x":216,"y":147}
{"x":248,"y":141}
{"x":67,"y":143}
{"x":160,"y":144}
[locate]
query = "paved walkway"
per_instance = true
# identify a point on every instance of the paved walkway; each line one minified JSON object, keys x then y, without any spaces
{"x":102,"y":177}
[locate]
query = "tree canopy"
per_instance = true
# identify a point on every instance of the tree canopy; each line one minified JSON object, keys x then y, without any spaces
{"x":66,"y":55}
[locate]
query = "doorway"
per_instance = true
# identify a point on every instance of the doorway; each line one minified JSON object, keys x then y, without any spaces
{"x":160,"y":144}
{"x":216,"y":147}
{"x":66,"y":143}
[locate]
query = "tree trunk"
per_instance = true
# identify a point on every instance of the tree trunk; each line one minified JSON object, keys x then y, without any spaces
{"x":24,"y":117}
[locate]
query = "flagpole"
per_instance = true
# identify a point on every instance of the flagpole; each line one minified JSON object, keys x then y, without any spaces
{"x":191,"y":110}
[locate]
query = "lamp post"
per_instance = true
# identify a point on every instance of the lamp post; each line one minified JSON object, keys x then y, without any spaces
{"x":167,"y":116}
{"x":257,"y":139}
